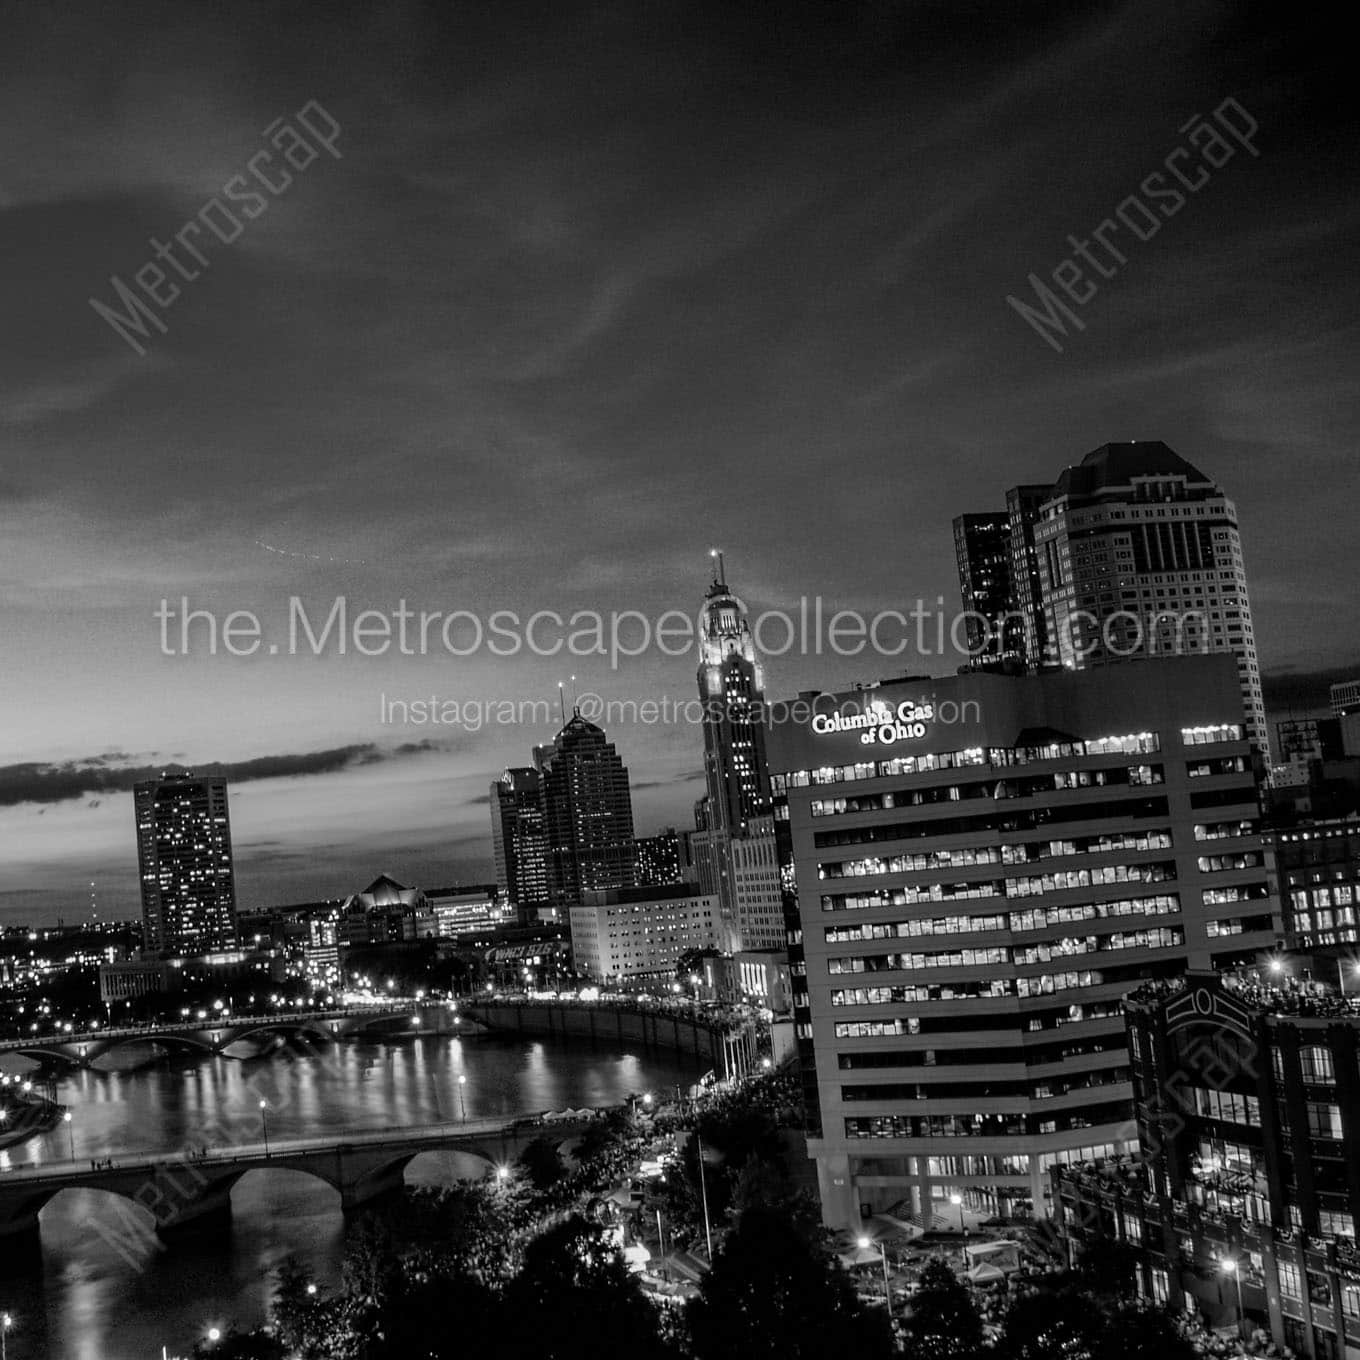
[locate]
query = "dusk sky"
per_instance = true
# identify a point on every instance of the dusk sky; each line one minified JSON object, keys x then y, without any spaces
{"x":584,"y":291}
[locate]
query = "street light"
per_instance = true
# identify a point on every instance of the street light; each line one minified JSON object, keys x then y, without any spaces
{"x":214,"y":1335}
{"x":6,"y":1322}
{"x":264,"y":1123}
{"x":462,"y":1103}
{"x":70,"y":1133}
{"x":864,"y":1244}
{"x":1229,"y":1267}
{"x":956,"y":1200}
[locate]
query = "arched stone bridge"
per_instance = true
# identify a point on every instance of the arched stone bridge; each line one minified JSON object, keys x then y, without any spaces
{"x":155,"y":1194}
{"x":213,"y":1036}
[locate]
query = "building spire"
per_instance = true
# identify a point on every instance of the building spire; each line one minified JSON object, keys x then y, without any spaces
{"x":720,"y":571}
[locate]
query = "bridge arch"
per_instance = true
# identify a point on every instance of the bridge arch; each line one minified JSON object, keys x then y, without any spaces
{"x":308,"y":1027}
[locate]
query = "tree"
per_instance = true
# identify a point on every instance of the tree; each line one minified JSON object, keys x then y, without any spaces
{"x":542,"y":1163}
{"x":256,"y":1345}
{"x":1135,"y":1332}
{"x":762,"y":1184}
{"x":575,"y":1299}
{"x":302,"y":1318}
{"x":1052,"y":1326}
{"x":943,"y":1322}
{"x":772,"y":1295}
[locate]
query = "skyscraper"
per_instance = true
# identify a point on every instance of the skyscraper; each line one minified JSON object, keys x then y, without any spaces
{"x":999,"y":583}
{"x":1133,"y":552}
{"x":734,"y":844}
{"x":184,"y":852}
{"x":1140,"y":555}
{"x":1027,"y":600}
{"x":731,"y":686}
{"x":982,"y":551}
{"x":588,"y":812}
{"x":519,"y":837}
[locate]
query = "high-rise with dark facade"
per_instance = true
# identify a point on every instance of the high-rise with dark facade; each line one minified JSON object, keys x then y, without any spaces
{"x":1027,"y":593}
{"x":520,"y":839}
{"x":588,"y":810}
{"x":982,"y":551}
{"x":660,"y":861}
{"x":184,"y":855}
{"x":976,"y":869}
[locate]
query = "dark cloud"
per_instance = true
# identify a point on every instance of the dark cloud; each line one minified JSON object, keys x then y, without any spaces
{"x":38,"y":783}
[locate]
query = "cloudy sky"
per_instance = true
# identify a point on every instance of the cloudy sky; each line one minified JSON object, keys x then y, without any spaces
{"x":585,"y":290}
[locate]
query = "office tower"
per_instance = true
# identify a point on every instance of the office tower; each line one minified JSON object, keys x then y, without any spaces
{"x":1023,"y":504}
{"x":1139,"y":555}
{"x":640,"y":932}
{"x":732,"y":821}
{"x":519,"y":838}
{"x":976,"y":869}
{"x":982,"y":551}
{"x":184,"y":853}
{"x":999,"y":581}
{"x":660,"y":859}
{"x":589,"y":813}
{"x":1319,"y":877}
{"x":1247,"y":1103}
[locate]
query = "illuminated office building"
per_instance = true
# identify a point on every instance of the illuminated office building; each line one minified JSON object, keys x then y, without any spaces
{"x":184,"y":856}
{"x":588,"y":812}
{"x":975,"y":870}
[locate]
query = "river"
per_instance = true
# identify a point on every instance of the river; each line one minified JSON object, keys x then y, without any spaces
{"x":87,"y":1300}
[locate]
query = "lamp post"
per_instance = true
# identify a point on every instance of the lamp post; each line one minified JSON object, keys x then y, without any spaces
{"x":264,"y":1123}
{"x":864,"y":1244}
{"x":6,"y":1322}
{"x":703,"y":1190}
{"x":462,"y":1103}
{"x":1230,"y":1267}
{"x":956,"y":1200}
{"x":70,"y":1132}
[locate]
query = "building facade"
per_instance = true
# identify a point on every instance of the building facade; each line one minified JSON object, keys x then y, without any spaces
{"x":184,"y":857}
{"x":1319,"y":874}
{"x":467,"y":910}
{"x":660,"y":859}
{"x":519,"y":840}
{"x":636,"y":933}
{"x":976,"y":869}
{"x":757,"y":903}
{"x":1246,"y":1192}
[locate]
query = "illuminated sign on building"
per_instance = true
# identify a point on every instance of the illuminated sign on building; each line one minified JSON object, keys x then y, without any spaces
{"x":880,"y":724}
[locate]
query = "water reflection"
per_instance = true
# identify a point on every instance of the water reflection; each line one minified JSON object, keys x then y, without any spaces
{"x":86,"y":1302}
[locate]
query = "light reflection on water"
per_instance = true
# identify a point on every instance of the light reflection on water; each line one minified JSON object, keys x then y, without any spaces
{"x":89,"y":1303}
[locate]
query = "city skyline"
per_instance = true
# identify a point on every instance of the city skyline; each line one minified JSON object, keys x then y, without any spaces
{"x":501,"y":349}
